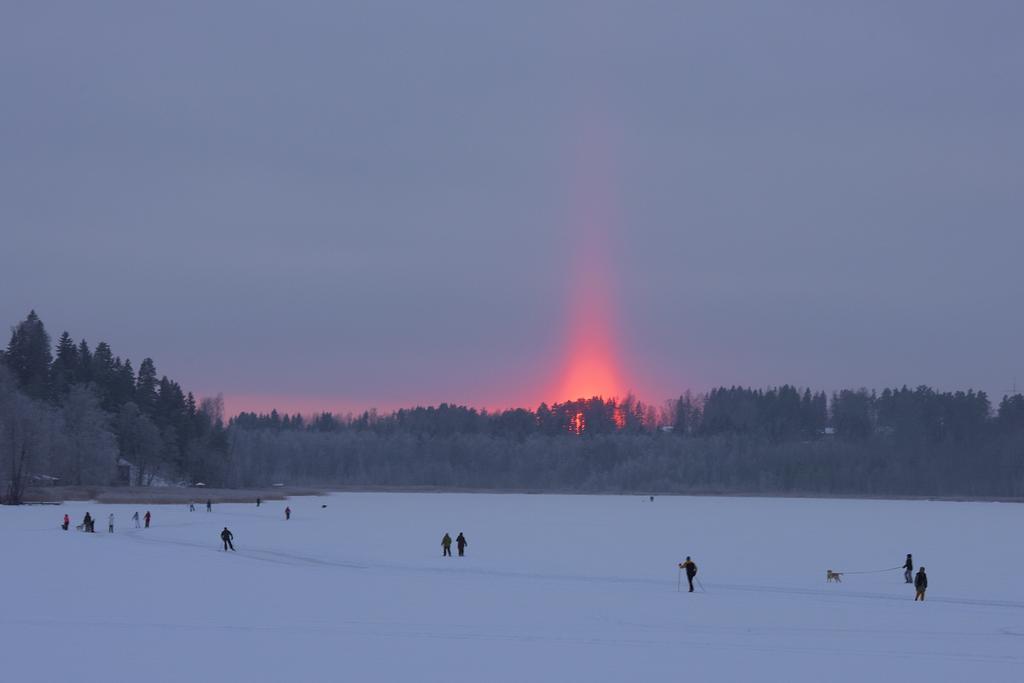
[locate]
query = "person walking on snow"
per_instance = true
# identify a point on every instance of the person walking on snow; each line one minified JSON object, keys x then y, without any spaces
{"x":446,"y":545}
{"x":147,"y":518}
{"x":461,"y":541}
{"x":227,"y":537}
{"x":691,"y":570}
{"x":87,"y":523}
{"x":110,"y":523}
{"x":920,"y":584}
{"x":191,"y":507}
{"x":209,"y":505}
{"x":287,"y":513}
{"x":67,"y":522}
{"x":135,"y":518}
{"x":908,"y":568}
{"x":258,"y":502}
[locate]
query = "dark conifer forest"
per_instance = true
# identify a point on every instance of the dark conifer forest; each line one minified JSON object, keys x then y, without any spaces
{"x":77,"y":414}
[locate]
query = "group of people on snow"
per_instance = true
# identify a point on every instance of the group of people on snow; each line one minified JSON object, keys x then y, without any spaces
{"x":89,"y":522}
{"x":446,"y":545}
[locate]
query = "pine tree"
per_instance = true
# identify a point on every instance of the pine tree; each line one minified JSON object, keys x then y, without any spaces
{"x":29,"y":358}
{"x":84,"y":374}
{"x":101,"y":369}
{"x":146,"y":387}
{"x":64,"y":369}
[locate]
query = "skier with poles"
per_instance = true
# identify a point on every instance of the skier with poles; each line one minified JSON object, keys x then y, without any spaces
{"x":227,"y":537}
{"x":908,"y":568}
{"x":461,"y":541}
{"x":446,"y":545}
{"x":691,"y":571}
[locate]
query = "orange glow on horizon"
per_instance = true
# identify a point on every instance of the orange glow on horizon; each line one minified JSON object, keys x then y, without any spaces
{"x":591,"y":366}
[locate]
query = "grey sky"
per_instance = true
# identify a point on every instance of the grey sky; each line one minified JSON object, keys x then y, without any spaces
{"x":355,"y":204}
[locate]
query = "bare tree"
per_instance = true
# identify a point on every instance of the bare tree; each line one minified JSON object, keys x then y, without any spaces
{"x":89,"y":448}
{"x":25,"y":430}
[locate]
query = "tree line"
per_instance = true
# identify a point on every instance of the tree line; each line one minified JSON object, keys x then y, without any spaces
{"x":73,"y":412}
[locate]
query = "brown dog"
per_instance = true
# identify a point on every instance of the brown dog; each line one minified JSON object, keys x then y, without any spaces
{"x":831,"y":576}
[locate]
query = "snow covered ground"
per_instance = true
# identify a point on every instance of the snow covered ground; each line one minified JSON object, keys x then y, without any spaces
{"x":553,"y":588}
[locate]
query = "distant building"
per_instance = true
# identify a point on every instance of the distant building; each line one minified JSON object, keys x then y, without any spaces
{"x":127,"y":473}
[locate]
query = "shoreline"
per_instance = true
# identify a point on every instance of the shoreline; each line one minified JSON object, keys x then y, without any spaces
{"x":182,"y":496}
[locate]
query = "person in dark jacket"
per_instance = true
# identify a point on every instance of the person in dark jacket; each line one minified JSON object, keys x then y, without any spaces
{"x":227,"y":537}
{"x":287,"y":513}
{"x":209,"y":505}
{"x":446,"y":545}
{"x":147,"y":518}
{"x":920,"y":584}
{"x":87,"y":523}
{"x":908,"y":566}
{"x":461,"y":541}
{"x":690,"y":567}
{"x":67,"y":522}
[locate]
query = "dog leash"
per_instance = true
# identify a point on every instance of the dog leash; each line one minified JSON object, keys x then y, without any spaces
{"x":869,"y":571}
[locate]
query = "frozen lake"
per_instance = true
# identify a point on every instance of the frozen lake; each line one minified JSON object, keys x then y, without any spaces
{"x":553,"y":588}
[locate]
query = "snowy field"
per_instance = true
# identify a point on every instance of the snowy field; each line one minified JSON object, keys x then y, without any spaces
{"x":553,"y":588}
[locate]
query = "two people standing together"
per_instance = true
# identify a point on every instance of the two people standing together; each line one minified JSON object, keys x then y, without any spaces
{"x":446,"y":545}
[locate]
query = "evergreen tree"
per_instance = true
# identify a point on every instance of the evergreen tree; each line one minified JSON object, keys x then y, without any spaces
{"x":146,"y":387}
{"x":28,"y":357}
{"x":84,"y":375}
{"x":64,"y":370}
{"x":102,"y":373}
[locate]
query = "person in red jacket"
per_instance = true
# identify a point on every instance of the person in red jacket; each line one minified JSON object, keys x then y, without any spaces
{"x":147,"y":517}
{"x":67,"y":522}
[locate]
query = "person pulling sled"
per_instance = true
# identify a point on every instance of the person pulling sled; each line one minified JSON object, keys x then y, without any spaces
{"x":908,"y":569}
{"x":920,"y":585}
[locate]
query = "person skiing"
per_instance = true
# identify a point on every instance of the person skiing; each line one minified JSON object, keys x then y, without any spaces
{"x":227,"y":537}
{"x":147,"y":518}
{"x":110,"y":523}
{"x":287,"y":513}
{"x":67,"y":522}
{"x":691,"y":570}
{"x":87,"y":522}
{"x":908,"y":568}
{"x":209,"y":505}
{"x":135,"y":518}
{"x":920,"y":584}
{"x":461,"y":541}
{"x":446,"y":545}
